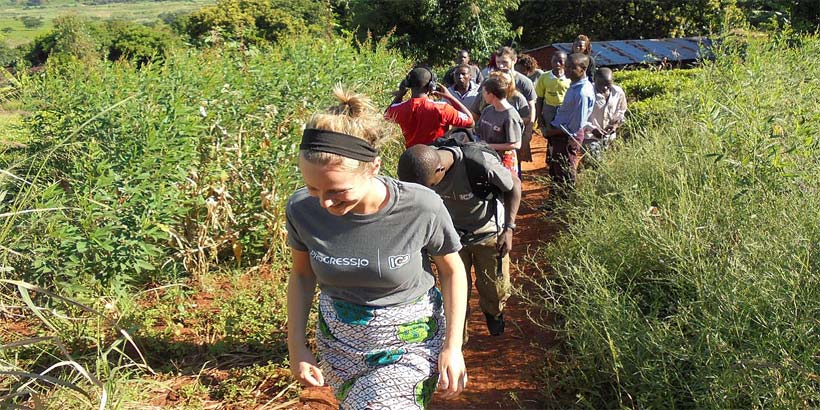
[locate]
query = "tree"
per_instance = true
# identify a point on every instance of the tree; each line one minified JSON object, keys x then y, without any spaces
{"x":431,"y":31}
{"x":135,"y":42}
{"x":561,"y":20}
{"x":257,"y":21}
{"x":72,"y":37}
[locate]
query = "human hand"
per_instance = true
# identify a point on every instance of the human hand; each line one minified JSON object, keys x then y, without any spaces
{"x":442,"y":92}
{"x":504,"y":244}
{"x":304,"y":368}
{"x":452,"y":377}
{"x":400,"y":92}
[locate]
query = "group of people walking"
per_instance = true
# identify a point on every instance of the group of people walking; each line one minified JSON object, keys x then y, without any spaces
{"x":387,"y":335}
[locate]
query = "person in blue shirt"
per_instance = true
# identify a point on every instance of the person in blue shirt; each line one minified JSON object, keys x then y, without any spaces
{"x":567,"y":132}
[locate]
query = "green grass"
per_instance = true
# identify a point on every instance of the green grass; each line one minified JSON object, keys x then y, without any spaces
{"x":688,"y":275}
{"x":117,"y":204}
{"x":11,"y":128}
{"x":141,"y":12}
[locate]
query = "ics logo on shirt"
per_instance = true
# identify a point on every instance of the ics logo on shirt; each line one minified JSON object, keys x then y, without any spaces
{"x":398,"y":261}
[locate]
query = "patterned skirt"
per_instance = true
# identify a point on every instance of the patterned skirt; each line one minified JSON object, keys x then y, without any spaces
{"x":510,"y":160}
{"x":381,"y":357}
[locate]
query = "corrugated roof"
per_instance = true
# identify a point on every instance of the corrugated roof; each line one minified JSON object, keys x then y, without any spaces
{"x":622,"y":52}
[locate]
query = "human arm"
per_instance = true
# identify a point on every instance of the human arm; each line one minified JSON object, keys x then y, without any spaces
{"x":620,"y":112}
{"x":453,"y":278}
{"x":539,"y":112}
{"x":532,"y":116}
{"x":398,"y":95}
{"x":512,"y":201}
{"x":301,"y":287}
{"x":528,"y":90}
{"x":443,"y":92}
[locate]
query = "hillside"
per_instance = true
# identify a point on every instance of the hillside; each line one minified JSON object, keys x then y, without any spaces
{"x":13,"y":15}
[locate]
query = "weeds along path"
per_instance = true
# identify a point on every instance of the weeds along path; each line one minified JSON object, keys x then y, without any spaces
{"x":501,"y":369}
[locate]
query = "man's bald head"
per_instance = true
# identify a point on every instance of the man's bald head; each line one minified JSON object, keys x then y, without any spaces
{"x":419,"y":165}
{"x":603,"y":80}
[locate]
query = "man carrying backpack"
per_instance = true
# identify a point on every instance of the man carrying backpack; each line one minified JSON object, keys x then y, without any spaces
{"x":482,"y":198}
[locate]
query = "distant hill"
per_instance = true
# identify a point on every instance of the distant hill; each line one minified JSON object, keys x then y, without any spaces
{"x":22,"y":21}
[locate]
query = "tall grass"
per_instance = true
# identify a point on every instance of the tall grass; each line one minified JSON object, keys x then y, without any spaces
{"x":165,"y":171}
{"x":688,"y":277}
{"x":136,"y":178}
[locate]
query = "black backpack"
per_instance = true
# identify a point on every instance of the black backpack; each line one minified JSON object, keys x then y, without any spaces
{"x":478,"y":171}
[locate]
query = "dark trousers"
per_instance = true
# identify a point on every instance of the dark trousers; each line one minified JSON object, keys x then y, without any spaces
{"x":564,"y":154}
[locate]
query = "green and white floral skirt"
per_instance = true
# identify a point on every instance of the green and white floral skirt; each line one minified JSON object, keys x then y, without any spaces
{"x":381,"y":357}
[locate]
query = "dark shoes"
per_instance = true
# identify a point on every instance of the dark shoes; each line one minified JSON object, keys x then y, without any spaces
{"x":495,"y":324}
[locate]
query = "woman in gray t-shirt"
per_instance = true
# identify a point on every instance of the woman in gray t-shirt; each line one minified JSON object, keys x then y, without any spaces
{"x":366,"y":240}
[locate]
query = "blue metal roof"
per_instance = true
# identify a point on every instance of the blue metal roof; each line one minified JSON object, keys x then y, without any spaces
{"x":622,"y":52}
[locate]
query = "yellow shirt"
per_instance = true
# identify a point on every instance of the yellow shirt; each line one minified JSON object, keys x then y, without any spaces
{"x":551,"y":88}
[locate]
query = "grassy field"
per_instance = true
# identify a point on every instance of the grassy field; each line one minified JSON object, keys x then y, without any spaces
{"x":688,"y":274}
{"x":15,"y":33}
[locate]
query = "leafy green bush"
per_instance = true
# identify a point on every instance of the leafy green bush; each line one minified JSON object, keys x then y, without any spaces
{"x":89,"y":41}
{"x":431,"y":31}
{"x":72,"y":37}
{"x":31,"y":21}
{"x":142,"y":175}
{"x":645,"y":89}
{"x":257,"y":21}
{"x":142,"y":44}
{"x":688,"y":277}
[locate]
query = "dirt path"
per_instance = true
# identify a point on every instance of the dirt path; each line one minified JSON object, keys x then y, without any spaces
{"x":500,"y":369}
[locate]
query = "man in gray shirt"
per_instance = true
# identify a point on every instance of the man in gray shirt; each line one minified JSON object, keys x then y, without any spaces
{"x":485,"y":225}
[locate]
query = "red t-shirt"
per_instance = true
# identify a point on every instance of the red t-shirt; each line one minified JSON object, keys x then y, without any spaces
{"x":422,"y":120}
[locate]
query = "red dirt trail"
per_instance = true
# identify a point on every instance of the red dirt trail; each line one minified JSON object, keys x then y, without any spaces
{"x":500,"y":369}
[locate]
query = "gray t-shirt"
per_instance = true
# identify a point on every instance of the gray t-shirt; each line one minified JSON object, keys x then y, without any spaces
{"x":498,"y":127}
{"x":524,"y":85}
{"x":473,"y":216}
{"x":517,"y":100}
{"x":378,"y":259}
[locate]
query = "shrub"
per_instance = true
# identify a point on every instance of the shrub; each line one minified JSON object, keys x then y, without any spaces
{"x":257,"y":21}
{"x":139,"y":43}
{"x":72,"y":37}
{"x":31,"y":21}
{"x":148,"y":174}
{"x":89,"y":41}
{"x":688,"y":277}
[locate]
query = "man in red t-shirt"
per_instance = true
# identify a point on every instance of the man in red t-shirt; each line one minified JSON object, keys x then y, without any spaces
{"x":421,"y":119}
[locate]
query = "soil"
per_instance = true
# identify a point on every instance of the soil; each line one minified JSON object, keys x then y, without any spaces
{"x":500,"y":369}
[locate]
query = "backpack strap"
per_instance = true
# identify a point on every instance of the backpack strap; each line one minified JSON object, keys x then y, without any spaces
{"x":478,"y":171}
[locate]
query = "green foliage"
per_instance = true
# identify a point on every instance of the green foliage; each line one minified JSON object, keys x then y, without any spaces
{"x":31,"y":21}
{"x":688,"y":277}
{"x":135,"y":42}
{"x":8,"y":55}
{"x":257,"y":21}
{"x":88,"y":41}
{"x":431,"y":31}
{"x":143,"y":175}
{"x":560,"y":21}
{"x":72,"y":37}
{"x":652,"y":92}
